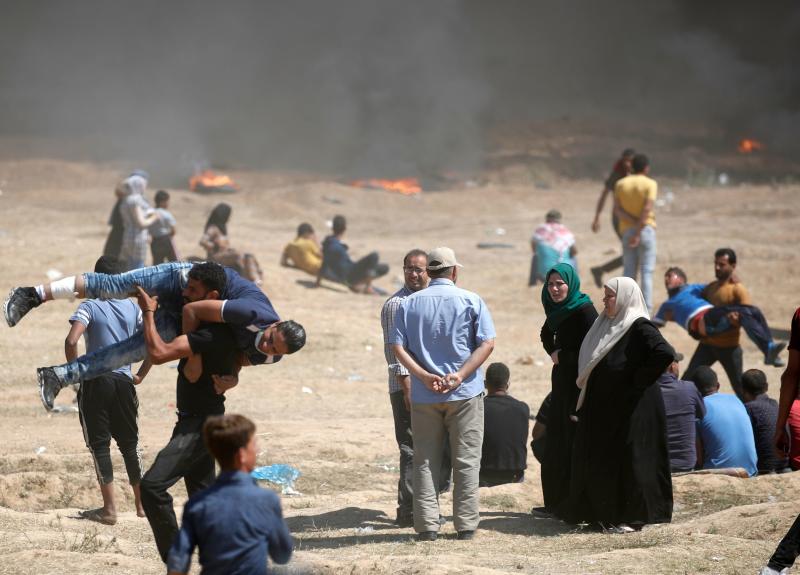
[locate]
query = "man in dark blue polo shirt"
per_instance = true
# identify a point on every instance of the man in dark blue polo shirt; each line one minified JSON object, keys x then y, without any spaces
{"x":337,"y":265}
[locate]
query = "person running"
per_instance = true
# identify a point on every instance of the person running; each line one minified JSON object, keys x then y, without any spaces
{"x":107,"y":405}
{"x":552,"y":243}
{"x":622,"y":168}
{"x":261,"y":336}
{"x":687,"y":307}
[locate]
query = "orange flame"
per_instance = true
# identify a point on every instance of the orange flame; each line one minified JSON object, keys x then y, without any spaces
{"x":210,"y":179}
{"x":748,"y":146}
{"x":405,"y":186}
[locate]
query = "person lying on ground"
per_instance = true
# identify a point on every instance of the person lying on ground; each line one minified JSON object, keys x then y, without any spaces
{"x":234,"y":523}
{"x":687,"y":308}
{"x":261,"y":336}
{"x":218,"y":247}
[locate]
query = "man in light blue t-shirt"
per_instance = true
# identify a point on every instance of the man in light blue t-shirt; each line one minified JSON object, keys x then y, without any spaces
{"x":442,"y":335}
{"x":725,"y":435}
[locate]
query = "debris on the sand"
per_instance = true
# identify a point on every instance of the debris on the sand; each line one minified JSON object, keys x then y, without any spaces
{"x":278,"y":474}
{"x":355,"y":377}
{"x":364,"y":530}
{"x":494,"y":245}
{"x":40,"y":450}
{"x":307,"y":389}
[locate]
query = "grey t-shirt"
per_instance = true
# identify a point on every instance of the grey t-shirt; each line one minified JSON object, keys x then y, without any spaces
{"x":108,"y":321}
{"x":683,"y":406}
{"x":162,"y":227}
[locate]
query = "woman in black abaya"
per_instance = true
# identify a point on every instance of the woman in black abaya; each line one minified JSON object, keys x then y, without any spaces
{"x":570,"y":314}
{"x":620,"y":467}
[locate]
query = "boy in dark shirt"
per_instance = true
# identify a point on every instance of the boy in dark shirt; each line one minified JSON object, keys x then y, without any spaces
{"x":763,"y":412}
{"x":234,"y":522}
{"x":505,"y":431}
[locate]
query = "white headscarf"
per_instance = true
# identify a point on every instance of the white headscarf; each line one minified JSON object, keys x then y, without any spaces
{"x":136,"y":184}
{"x":607,"y":331}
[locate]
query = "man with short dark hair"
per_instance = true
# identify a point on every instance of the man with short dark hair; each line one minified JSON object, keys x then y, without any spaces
{"x":683,"y":407}
{"x":687,"y":307}
{"x":763,"y":412}
{"x":234,"y":523}
{"x":107,"y":405}
{"x":622,"y":168}
{"x":416,"y":278}
{"x":304,"y":252}
{"x":505,"y":431}
{"x":443,"y":334}
{"x":339,"y":267}
{"x":723,"y":347}
{"x":262,"y":338}
{"x":634,"y":202}
{"x":725,"y":435}
{"x":208,"y":367}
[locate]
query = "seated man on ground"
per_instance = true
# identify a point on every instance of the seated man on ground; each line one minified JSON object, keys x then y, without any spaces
{"x":505,"y":431}
{"x":724,"y":436}
{"x":552,"y":243}
{"x":107,"y":405}
{"x":303,"y":252}
{"x":234,"y":523}
{"x":262,"y":338}
{"x":687,"y":307}
{"x":337,"y":265}
{"x":763,"y":412}
{"x":684,"y":407}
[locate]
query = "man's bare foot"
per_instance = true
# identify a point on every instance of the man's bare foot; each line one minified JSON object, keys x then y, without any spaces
{"x":140,"y":512}
{"x":99,"y":515}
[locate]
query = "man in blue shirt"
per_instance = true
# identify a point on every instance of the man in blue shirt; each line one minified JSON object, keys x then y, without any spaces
{"x":687,"y":307}
{"x":684,"y":407}
{"x":339,"y":267}
{"x":235,"y":523}
{"x":443,"y":334}
{"x":107,"y":405}
{"x":725,"y":435}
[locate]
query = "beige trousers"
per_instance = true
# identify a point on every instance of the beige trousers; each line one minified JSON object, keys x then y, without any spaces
{"x":463,"y":420}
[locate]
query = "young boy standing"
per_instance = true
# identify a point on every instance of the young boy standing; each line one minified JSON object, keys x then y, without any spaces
{"x":234,"y":522}
{"x":162,"y":231}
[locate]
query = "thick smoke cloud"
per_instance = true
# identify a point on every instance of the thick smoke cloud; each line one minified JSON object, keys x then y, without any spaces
{"x":378,"y":87}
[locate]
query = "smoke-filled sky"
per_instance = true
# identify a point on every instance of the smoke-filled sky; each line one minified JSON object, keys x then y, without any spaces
{"x":378,"y":87}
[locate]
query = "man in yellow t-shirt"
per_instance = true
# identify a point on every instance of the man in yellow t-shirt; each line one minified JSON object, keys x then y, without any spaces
{"x":303,"y":252}
{"x":634,"y":200}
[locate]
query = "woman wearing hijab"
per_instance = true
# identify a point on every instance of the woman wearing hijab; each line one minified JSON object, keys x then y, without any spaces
{"x":570,"y":314}
{"x":218,"y":248}
{"x":620,"y":466}
{"x":137,"y":215}
{"x":114,"y":240}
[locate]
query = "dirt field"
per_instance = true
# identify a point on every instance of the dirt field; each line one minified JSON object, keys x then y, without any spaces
{"x":53,"y":217}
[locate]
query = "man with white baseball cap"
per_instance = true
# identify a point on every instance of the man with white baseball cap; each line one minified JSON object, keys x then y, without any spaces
{"x":442,"y":335}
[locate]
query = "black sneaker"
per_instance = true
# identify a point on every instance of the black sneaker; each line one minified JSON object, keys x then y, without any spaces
{"x":466,"y":535}
{"x":427,"y":536}
{"x":597,"y":275}
{"x":775,"y":348}
{"x":20,"y":301}
{"x":49,"y":386}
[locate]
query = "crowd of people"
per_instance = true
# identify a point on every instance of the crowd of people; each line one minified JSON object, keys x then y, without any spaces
{"x":618,"y":422}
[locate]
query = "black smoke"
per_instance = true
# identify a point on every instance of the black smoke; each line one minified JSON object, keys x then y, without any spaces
{"x":379,"y":87}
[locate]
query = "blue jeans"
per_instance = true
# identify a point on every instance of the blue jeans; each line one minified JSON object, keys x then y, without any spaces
{"x":641,"y":260}
{"x":166,"y":281}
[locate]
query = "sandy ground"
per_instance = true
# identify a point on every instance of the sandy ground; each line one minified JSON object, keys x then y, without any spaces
{"x":53,"y":214}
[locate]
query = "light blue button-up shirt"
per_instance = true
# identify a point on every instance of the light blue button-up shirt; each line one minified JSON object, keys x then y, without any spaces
{"x":441,"y":326}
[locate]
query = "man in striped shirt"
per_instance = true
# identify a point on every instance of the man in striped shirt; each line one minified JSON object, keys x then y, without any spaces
{"x":416,"y":278}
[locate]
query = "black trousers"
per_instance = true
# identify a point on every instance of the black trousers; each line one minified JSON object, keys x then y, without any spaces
{"x":788,"y":549}
{"x":405,"y":442}
{"x":367,"y":268}
{"x":108,"y":407}
{"x":163,"y":250}
{"x":729,"y":357}
{"x":750,"y":318}
{"x":185,"y":456}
